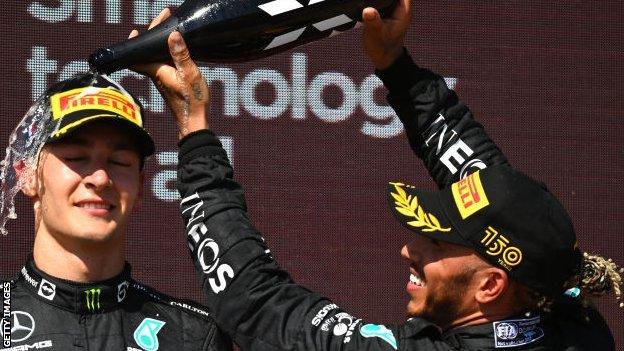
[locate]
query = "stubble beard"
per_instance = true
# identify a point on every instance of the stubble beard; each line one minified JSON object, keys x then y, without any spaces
{"x":445,"y":305}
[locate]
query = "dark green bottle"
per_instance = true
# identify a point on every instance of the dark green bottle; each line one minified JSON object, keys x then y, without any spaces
{"x":237,"y":30}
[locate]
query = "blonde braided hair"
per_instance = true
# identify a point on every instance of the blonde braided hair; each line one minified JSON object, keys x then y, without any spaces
{"x":599,"y":276}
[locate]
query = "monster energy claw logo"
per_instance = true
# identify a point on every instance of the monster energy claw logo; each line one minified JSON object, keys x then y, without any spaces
{"x":92,"y":297}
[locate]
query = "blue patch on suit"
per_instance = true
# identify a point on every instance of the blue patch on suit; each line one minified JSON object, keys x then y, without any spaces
{"x":379,"y":331}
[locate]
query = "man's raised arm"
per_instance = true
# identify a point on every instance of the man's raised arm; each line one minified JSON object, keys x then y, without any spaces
{"x":441,"y":130}
{"x":249,"y":295}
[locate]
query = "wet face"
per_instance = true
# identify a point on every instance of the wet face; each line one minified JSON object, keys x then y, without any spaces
{"x":441,"y":286}
{"x":88,"y":184}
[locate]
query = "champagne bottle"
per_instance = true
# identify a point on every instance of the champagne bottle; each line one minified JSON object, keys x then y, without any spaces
{"x":237,"y":30}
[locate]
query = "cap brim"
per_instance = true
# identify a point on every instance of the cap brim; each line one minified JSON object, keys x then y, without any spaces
{"x":144,"y":140}
{"x":422,"y":212}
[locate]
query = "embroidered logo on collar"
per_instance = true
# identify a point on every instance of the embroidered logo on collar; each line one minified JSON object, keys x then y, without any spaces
{"x":517,"y":332}
{"x":47,"y":290}
{"x":92,"y":299}
{"x":122,"y":291}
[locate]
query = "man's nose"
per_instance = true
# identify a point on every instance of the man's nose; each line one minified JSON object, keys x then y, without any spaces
{"x":404,"y":252}
{"x":410,"y":253}
{"x":98,"y":179}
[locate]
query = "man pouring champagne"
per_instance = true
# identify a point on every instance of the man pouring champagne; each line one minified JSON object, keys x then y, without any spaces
{"x":493,"y":263}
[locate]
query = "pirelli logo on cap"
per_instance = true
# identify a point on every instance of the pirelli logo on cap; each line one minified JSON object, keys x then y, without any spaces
{"x":92,"y":98}
{"x":469,"y":195}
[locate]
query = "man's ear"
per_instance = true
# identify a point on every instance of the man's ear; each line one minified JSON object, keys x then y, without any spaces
{"x":28,"y":178}
{"x":492,"y":283}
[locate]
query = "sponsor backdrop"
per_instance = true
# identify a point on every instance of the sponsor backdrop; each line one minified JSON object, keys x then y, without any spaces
{"x":314,"y":143}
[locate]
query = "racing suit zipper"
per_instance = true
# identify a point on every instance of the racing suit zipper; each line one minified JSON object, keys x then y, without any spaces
{"x":84,"y":343}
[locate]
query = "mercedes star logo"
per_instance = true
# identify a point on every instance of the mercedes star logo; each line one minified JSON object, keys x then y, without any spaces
{"x":23,"y":326}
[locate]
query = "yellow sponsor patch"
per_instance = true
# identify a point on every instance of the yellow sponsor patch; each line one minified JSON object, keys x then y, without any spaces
{"x":91,"y":98}
{"x":469,"y":195}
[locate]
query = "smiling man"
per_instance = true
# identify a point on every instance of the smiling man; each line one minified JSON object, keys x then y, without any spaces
{"x":493,"y":263}
{"x":75,"y":292}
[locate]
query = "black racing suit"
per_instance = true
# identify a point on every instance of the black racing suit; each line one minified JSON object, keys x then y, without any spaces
{"x":46,"y":313}
{"x":260,"y":306}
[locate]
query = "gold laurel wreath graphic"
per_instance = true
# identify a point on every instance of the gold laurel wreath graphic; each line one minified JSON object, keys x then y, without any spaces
{"x":407,"y":205}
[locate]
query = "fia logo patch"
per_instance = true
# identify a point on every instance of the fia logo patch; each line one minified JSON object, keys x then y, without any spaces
{"x":517,"y":332}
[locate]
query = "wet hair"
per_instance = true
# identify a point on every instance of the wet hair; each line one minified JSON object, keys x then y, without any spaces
{"x":596,"y":277}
